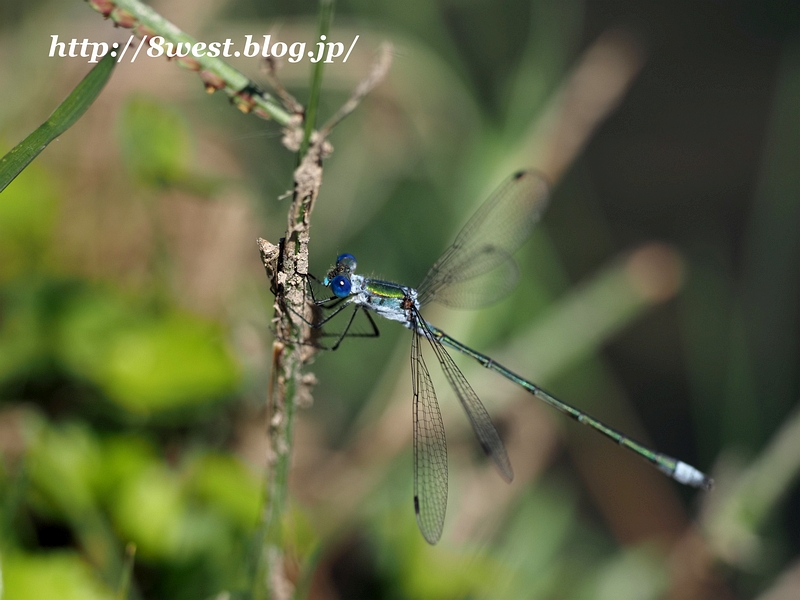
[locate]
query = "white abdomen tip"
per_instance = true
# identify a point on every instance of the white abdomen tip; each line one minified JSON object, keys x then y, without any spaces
{"x":688,"y":475}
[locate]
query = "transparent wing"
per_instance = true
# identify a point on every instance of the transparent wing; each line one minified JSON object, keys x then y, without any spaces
{"x":487,"y":241}
{"x":483,"y":289}
{"x":430,"y":451}
{"x":481,"y":422}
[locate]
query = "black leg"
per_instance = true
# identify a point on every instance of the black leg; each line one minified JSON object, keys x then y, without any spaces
{"x":320,"y":305}
{"x":375,"y":331}
{"x":339,"y":336}
{"x":346,"y":329}
{"x":335,"y":312}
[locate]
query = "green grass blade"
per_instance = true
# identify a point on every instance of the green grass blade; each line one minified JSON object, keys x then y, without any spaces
{"x":325,"y":18}
{"x":68,"y":112}
{"x":127,"y":572}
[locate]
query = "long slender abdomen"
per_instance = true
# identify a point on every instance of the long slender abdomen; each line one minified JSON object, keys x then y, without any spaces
{"x":677,"y":470}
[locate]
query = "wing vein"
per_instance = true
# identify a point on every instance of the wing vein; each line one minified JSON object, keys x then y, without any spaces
{"x":430,"y":450}
{"x":479,"y":418}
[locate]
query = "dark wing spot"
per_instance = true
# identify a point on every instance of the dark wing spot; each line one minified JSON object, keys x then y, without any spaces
{"x":416,"y":504}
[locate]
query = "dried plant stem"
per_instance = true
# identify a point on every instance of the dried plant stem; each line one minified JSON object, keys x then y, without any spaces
{"x":289,"y":271}
{"x":288,"y":267}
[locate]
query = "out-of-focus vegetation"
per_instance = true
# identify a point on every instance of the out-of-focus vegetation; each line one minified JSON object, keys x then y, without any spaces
{"x":67,"y":113}
{"x":135,"y":316}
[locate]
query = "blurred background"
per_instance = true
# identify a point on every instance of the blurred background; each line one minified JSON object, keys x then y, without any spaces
{"x":660,"y":293}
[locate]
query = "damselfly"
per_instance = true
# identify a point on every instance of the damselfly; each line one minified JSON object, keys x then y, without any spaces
{"x":484,"y":246}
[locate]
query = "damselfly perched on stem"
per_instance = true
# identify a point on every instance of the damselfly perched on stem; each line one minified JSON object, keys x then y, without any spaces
{"x":485,"y":246}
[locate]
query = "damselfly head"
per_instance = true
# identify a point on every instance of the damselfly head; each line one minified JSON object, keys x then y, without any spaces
{"x":338,"y":278}
{"x":346,"y":263}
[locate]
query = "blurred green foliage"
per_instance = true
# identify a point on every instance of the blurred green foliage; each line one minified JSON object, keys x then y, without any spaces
{"x":55,"y":575}
{"x":27,"y":216}
{"x":155,"y":141}
{"x":157,"y":148}
{"x":67,"y":113}
{"x":144,"y":362}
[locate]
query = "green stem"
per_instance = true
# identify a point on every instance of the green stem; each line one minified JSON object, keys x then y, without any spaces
{"x":216,"y":74}
{"x":746,"y":503}
{"x":127,"y":571}
{"x":325,"y":18}
{"x":269,"y":577}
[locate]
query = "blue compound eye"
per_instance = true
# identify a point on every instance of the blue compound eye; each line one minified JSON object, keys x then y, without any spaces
{"x":340,"y":285}
{"x":346,"y":262}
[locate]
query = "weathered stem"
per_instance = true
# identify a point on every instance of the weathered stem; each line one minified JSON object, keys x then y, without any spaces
{"x":288,"y":267}
{"x":288,"y":357}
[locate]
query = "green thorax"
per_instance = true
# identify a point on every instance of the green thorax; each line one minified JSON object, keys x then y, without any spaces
{"x":385,"y":289}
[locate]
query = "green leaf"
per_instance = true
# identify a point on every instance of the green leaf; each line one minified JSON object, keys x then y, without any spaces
{"x":125,"y":457}
{"x":64,"y":465}
{"x":224,"y":483}
{"x":168,"y":362}
{"x":55,"y":575}
{"x":151,"y":511}
{"x":62,"y":119}
{"x":145,"y":362}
